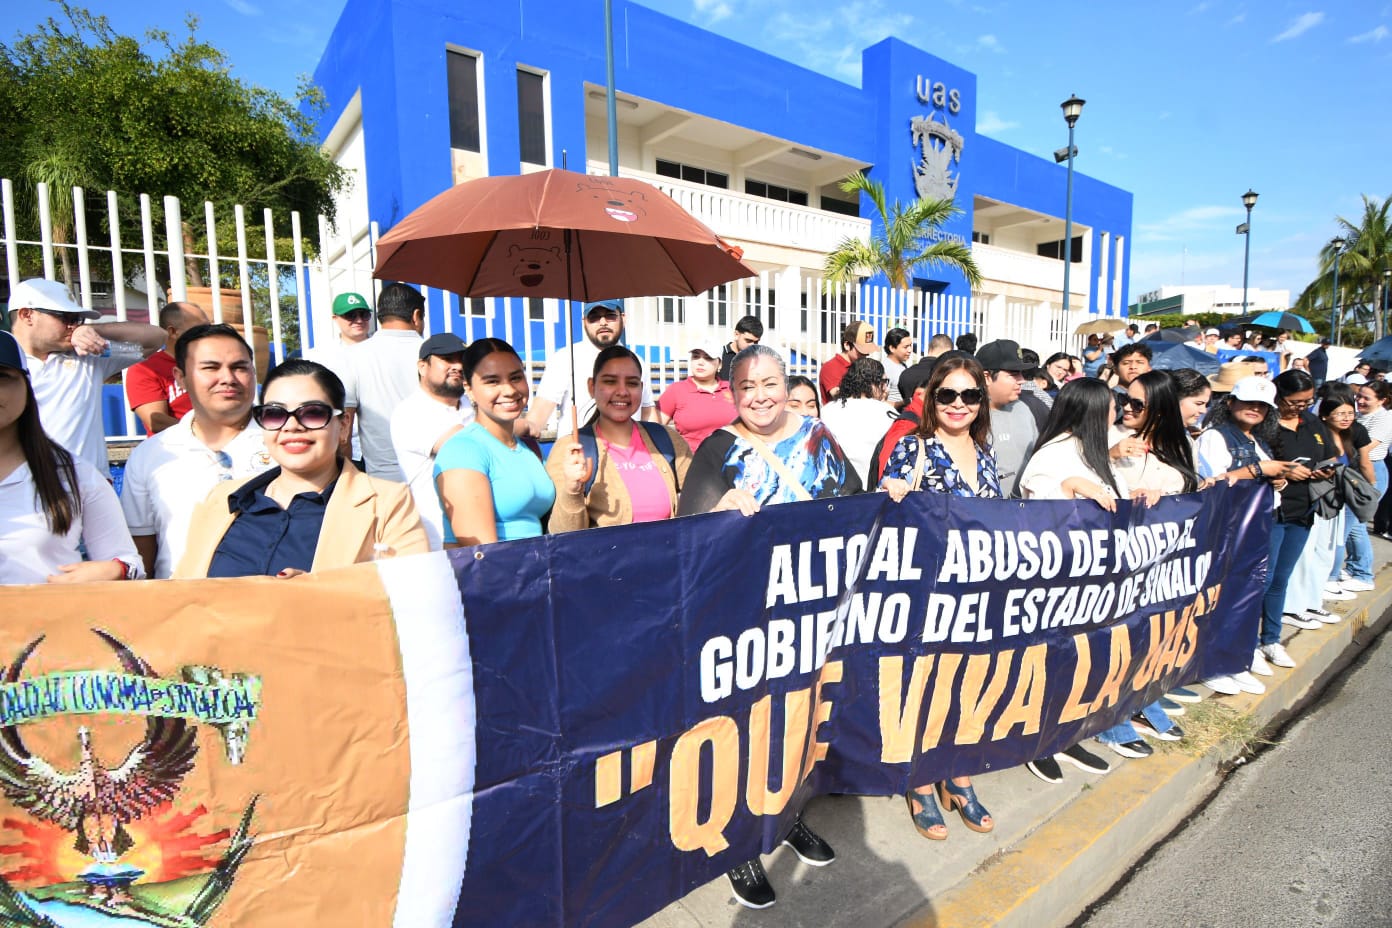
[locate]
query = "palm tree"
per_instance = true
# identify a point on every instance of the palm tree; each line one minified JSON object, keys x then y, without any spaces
{"x":904,"y":242}
{"x":1367,"y":253}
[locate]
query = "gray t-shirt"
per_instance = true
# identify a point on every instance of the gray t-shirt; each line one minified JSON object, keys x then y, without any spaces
{"x":1012,"y":439}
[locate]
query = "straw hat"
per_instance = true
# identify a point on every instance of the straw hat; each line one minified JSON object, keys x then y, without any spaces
{"x":1229,"y":374}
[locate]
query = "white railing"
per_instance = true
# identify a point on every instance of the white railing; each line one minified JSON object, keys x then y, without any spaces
{"x":801,"y":316}
{"x":754,"y":219}
{"x":1025,"y":269}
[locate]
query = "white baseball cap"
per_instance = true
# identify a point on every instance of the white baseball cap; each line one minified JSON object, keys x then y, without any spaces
{"x":47,"y":296}
{"x":1212,"y":332}
{"x":710,"y":347}
{"x":1255,"y":390}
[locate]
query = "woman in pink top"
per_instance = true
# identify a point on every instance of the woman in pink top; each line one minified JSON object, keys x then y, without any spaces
{"x":634,"y":469}
{"x":702,"y":402}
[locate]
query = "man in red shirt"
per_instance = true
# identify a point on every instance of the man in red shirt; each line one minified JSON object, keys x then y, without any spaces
{"x":857,"y":341}
{"x":154,"y":396}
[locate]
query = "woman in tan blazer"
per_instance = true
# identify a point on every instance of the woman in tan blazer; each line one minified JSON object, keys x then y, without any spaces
{"x":315,"y":511}
{"x":628,"y":454}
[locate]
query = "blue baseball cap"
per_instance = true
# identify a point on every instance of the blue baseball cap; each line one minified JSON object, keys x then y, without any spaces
{"x":11,"y":355}
{"x":615,"y":305}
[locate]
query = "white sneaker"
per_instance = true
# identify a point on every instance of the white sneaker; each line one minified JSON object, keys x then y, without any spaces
{"x":1276,"y":654}
{"x":1319,"y":615}
{"x":1357,"y":586}
{"x":1259,"y":664}
{"x":1249,"y":683}
{"x":1344,"y":575}
{"x":1223,"y":684}
{"x":1299,"y":621}
{"x":1334,"y":591}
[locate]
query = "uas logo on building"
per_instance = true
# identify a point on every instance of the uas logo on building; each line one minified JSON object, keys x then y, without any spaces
{"x":939,"y":147}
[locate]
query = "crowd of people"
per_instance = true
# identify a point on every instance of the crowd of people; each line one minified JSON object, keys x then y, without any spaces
{"x":389,"y":443}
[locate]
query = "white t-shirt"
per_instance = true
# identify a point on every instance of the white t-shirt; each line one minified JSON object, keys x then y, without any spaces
{"x":380,"y":373}
{"x":858,"y":425}
{"x":334,"y":356}
{"x":416,"y":426}
{"x":1379,"y":426}
{"x":1057,"y":461}
{"x":555,"y":384}
{"x":29,"y":552}
{"x":171,"y":472}
{"x":68,"y":388}
{"x":1145,"y":471}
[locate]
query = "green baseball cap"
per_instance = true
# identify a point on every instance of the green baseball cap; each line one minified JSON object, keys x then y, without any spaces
{"x":346,"y":303}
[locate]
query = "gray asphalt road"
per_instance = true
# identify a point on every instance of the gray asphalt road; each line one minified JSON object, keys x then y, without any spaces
{"x":1301,"y":836}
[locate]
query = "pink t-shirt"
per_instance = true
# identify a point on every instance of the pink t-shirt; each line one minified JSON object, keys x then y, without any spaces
{"x":694,"y":412}
{"x":648,"y":492}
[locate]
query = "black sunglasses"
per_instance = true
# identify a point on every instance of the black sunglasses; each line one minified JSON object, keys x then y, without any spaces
{"x":357,"y":315}
{"x":971,"y":396}
{"x":312,"y":416}
{"x":595,"y":315}
{"x":1133,"y":404}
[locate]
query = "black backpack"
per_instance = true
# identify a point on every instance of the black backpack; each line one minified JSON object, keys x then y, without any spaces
{"x":661,"y":440}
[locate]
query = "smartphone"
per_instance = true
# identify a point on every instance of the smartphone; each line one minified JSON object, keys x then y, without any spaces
{"x":1302,"y":461}
{"x":1325,"y":465}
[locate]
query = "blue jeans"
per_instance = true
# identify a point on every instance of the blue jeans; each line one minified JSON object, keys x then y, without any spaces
{"x":1358,"y":550}
{"x":1287,"y":543}
{"x":1126,"y":732}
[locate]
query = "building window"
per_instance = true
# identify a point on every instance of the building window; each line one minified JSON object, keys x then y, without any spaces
{"x":673,"y":310}
{"x":536,"y":309}
{"x":982,"y":238}
{"x":718,"y":306}
{"x":462,"y":70}
{"x":1055,"y":249}
{"x":531,"y":116}
{"x":845,"y":208}
{"x":473,"y":306}
{"x":693,"y":174}
{"x":774,"y":192}
{"x":755,"y":305}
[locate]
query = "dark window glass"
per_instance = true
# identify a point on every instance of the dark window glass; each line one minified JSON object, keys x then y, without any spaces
{"x":462,"y":71}
{"x":756,"y":188}
{"x":536,"y":309}
{"x":692,"y":174}
{"x":840,"y":206}
{"x":716,"y":179}
{"x":668,"y":168}
{"x":531,"y":117}
{"x":797,"y":197}
{"x":774,"y":192}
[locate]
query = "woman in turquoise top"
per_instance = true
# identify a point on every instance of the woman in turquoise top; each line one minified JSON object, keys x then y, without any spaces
{"x":492,"y":486}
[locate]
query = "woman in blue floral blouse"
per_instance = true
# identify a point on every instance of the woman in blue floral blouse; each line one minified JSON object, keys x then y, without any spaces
{"x":950,"y":452}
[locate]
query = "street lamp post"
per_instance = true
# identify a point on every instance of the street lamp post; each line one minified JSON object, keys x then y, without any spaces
{"x":1386,"y":282}
{"x":1249,"y":200}
{"x":1338,"y":245}
{"x":1072,"y":109}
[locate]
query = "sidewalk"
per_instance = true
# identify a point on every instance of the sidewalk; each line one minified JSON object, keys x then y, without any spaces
{"x":1055,"y":848}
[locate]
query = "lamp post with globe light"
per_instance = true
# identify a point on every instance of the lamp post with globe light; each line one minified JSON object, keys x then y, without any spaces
{"x":1338,"y":245}
{"x":1249,"y":200}
{"x":1072,"y":109}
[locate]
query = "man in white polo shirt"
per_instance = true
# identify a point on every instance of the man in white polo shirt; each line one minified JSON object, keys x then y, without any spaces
{"x":69,"y":360}
{"x":381,"y":372}
{"x":426,"y":419}
{"x":170,"y":473}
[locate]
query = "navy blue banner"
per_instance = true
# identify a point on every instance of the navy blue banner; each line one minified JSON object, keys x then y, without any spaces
{"x":656,"y":702}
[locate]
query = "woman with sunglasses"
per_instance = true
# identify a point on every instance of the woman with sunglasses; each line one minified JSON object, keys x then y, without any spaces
{"x":949,"y":452}
{"x":52,"y":504}
{"x":314,"y":510}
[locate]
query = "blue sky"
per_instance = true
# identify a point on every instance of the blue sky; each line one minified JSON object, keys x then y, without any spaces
{"x":1188,"y":104}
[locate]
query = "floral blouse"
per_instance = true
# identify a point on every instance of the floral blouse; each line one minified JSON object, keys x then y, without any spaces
{"x":940,"y":475}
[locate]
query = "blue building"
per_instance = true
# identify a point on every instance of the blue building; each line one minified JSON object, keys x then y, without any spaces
{"x":424,"y":94}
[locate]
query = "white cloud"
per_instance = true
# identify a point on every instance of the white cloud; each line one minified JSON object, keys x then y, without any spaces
{"x":713,"y":11}
{"x":1372,"y":35}
{"x":990,"y":43}
{"x":991,"y":123}
{"x":1300,"y":25}
{"x":1200,"y":8}
{"x":1238,"y":19}
{"x":1195,"y":219}
{"x":831,"y":42}
{"x":243,"y":7}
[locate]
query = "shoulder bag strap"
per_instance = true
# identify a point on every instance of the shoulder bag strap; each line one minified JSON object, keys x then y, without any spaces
{"x":920,"y":465}
{"x":785,"y":473}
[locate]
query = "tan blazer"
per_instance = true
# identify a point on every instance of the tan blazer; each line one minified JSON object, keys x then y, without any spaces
{"x":362,"y":512}
{"x":608,"y":503}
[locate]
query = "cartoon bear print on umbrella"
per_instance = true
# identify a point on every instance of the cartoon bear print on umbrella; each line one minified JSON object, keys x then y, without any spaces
{"x":623,"y":205}
{"x":530,"y":265}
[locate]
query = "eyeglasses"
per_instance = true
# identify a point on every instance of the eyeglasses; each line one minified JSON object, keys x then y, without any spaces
{"x":312,"y":416}
{"x":357,"y":315}
{"x":1133,"y":404}
{"x":970,"y":396}
{"x":608,"y":315}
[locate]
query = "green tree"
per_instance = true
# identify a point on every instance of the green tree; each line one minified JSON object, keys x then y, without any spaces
{"x":85,"y":106}
{"x":1367,"y":253}
{"x":905,"y":242}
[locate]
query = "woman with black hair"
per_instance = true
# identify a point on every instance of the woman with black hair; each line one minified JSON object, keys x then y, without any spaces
{"x":1374,"y":401}
{"x":1194,"y":391}
{"x":1352,"y":571}
{"x":314,"y":510}
{"x":52,"y":504}
{"x":803,"y":399}
{"x":860,"y":414}
{"x":1150,"y":414}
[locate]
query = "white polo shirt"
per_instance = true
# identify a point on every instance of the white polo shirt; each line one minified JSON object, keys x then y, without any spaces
{"x":334,"y":355}
{"x":416,"y":426}
{"x":378,"y":375}
{"x":555,"y":384}
{"x":171,"y":472}
{"x":68,"y":388}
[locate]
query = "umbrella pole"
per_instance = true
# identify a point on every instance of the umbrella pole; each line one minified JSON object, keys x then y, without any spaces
{"x":570,"y":344}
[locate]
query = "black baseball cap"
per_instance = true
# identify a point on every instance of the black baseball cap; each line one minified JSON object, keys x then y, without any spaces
{"x":915,"y":376}
{"x":1001,"y":355}
{"x":441,"y":344}
{"x":11,"y":355}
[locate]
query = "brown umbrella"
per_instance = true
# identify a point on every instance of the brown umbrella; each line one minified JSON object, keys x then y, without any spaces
{"x":1100,"y":326}
{"x":517,"y":235}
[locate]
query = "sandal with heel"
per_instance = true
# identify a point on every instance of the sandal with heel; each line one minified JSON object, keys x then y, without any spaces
{"x":928,"y":820}
{"x":963,"y":799}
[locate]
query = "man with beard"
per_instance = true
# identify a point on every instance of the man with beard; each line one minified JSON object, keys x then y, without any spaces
{"x":426,"y":419}
{"x":170,"y":473}
{"x":604,"y":325}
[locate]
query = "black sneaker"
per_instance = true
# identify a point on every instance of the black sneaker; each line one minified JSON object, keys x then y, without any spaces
{"x":1046,"y":768}
{"x":808,"y":845}
{"x":1131,"y":748}
{"x":751,"y":885}
{"x":1083,"y":759}
{"x":1143,"y":726}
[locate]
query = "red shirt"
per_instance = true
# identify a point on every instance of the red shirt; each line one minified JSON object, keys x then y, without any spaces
{"x":897,"y":430}
{"x":694,"y":412}
{"x":830,"y":375}
{"x":152,"y":380}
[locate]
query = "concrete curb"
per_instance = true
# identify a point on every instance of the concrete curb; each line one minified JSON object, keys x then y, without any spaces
{"x":1073,"y":858}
